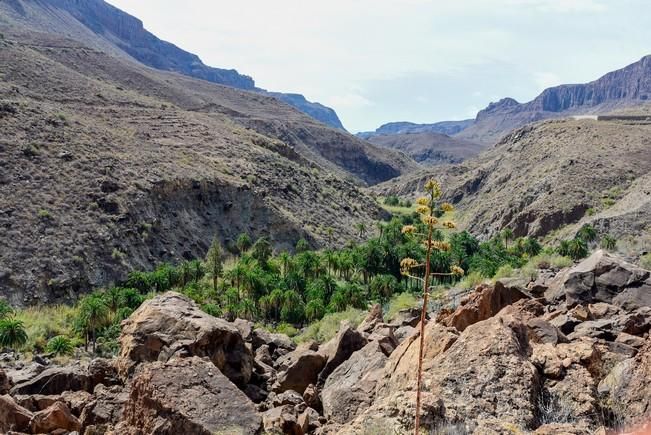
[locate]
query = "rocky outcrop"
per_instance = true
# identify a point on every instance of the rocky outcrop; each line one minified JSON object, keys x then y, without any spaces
{"x":608,"y":279}
{"x":298,"y":369}
{"x":13,"y":417}
{"x":173,"y":325}
{"x":339,"y":349}
{"x":5,"y":382}
{"x":57,"y":416}
{"x":186,"y":395}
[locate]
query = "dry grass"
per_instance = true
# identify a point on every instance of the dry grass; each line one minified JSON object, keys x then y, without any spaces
{"x":44,"y":322}
{"x":326,"y":328}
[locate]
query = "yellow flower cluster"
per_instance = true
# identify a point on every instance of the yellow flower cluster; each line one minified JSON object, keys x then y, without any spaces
{"x":446,"y":206}
{"x":408,"y":229}
{"x":429,"y":220}
{"x":422,"y":201}
{"x":406,"y":264}
{"x":441,"y":246}
{"x":457,"y":271}
{"x":449,"y":224}
{"x":422,"y":209}
{"x":433,"y":187}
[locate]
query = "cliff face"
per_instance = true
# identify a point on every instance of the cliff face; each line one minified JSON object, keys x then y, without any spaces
{"x":627,"y":87}
{"x":444,"y":127}
{"x":103,"y":26}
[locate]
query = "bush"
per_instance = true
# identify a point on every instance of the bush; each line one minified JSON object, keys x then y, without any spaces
{"x":399,"y":302}
{"x":645,"y":261}
{"x":12,"y":333}
{"x":528,"y":272}
{"x":46,"y":322}
{"x":472,"y":280}
{"x":60,"y":345}
{"x":505,"y":271}
{"x":326,"y":328}
{"x":5,"y":309}
{"x":392,"y":200}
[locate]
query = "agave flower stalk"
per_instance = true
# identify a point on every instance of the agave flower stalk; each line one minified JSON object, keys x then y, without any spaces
{"x":429,"y":209}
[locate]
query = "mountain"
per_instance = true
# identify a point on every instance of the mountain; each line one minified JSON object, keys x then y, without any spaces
{"x":544,"y":176}
{"x":427,"y":147}
{"x":626,"y":87}
{"x":107,"y":165}
{"x":107,"y":28}
{"x":445,"y":127}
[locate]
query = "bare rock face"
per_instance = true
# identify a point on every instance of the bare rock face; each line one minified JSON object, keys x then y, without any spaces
{"x":635,"y":390}
{"x":183,"y":396}
{"x":605,"y":278}
{"x":339,"y":349}
{"x":5,"y":383}
{"x":282,"y":419}
{"x":105,"y":409}
{"x":484,"y":303}
{"x":298,"y":369}
{"x":57,"y":416}
{"x":373,"y":318}
{"x":172,"y":324}
{"x":13,"y":417}
{"x":350,"y":388}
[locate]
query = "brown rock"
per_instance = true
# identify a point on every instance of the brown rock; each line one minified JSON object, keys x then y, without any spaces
{"x":580,"y":312}
{"x":311,"y":397}
{"x":57,"y":416}
{"x":373,"y":318}
{"x":5,"y":383}
{"x":105,"y":407}
{"x":298,"y":369}
{"x":635,"y":397}
{"x":406,"y":317}
{"x":56,"y":380}
{"x":13,"y":417}
{"x":282,"y":419}
{"x":351,"y":387}
{"x":187,"y":395}
{"x":172,"y":324}
{"x":36,"y":402}
{"x":260,"y":337}
{"x":602,"y":310}
{"x":484,"y":303}
{"x":76,"y":400}
{"x":630,"y":340}
{"x":541,"y":331}
{"x":309,"y":420}
{"x":339,"y":349}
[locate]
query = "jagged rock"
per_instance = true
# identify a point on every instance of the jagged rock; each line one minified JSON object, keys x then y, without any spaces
{"x":339,"y":349}
{"x":282,"y":419}
{"x":630,"y":340}
{"x":634,"y":394}
{"x":350,"y":388}
{"x":186,"y":395}
{"x":403,"y":332}
{"x":298,"y":369}
{"x":565,"y":323}
{"x":56,"y":380}
{"x":289,"y":397}
{"x":407,"y":317}
{"x":601,"y":328}
{"x":373,"y":318}
{"x":172,"y":324}
{"x":105,"y":407}
{"x":77,"y":400}
{"x":245,"y":327}
{"x":57,"y":416}
{"x":484,"y":303}
{"x":311,"y":397}
{"x":605,"y":278}
{"x":36,"y":402}
{"x":24,"y":374}
{"x":553,"y":360}
{"x":541,"y":331}
{"x":309,"y":420}
{"x":573,"y":397}
{"x":260,"y":337}
{"x":5,"y":383}
{"x":13,"y":417}
{"x":263,"y":355}
{"x":602,"y":310}
{"x":636,"y":323}
{"x":255,"y":393}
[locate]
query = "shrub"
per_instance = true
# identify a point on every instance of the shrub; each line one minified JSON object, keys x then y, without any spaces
{"x":60,"y":345}
{"x":12,"y":333}
{"x":5,"y":309}
{"x":287,"y":329}
{"x":608,"y":242}
{"x":560,"y":261}
{"x":45,"y":322}
{"x":392,"y":200}
{"x":212,"y":309}
{"x":505,"y":271}
{"x":472,"y":280}
{"x":529,"y":272}
{"x":399,"y":302}
{"x":326,"y":328}
{"x":645,"y":261}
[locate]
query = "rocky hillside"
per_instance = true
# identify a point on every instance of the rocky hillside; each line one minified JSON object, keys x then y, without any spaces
{"x":568,"y":353}
{"x":629,"y":86}
{"x":429,"y":148}
{"x":445,"y":127}
{"x":104,"y":27}
{"x":109,"y":165}
{"x":545,"y":176}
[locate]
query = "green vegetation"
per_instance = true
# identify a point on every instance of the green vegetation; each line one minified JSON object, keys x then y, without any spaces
{"x":60,"y":345}
{"x":645,"y":261}
{"x":579,"y":247}
{"x":12,"y":333}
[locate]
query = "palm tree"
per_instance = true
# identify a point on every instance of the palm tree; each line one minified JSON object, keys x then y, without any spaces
{"x":247,"y":309}
{"x":608,"y":242}
{"x":314,"y":310}
{"x":284,"y":258}
{"x":5,"y":309}
{"x":214,"y":262}
{"x":276,"y":299}
{"x":587,"y":233}
{"x":380,"y":227}
{"x":361,"y":229}
{"x":93,"y":314}
{"x":507,"y":234}
{"x":578,"y":248}
{"x":12,"y":333}
{"x":243,"y":243}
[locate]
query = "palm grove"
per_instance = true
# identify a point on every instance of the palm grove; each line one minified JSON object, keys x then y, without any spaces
{"x":279,"y":289}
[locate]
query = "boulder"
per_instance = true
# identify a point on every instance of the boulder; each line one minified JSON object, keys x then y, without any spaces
{"x":485,"y":302}
{"x":76,"y":400}
{"x":350,"y":388}
{"x":13,"y":417}
{"x":339,"y":349}
{"x":602,"y":328}
{"x":600,"y":310}
{"x":24,"y":374}
{"x":36,"y":402}
{"x":373,"y":318}
{"x":403,"y":332}
{"x":541,"y":331}
{"x":311,"y":397}
{"x":406,"y":317}
{"x":282,"y":420}
{"x":187,"y":395}
{"x":5,"y":383}
{"x":57,"y":416}
{"x":630,"y":340}
{"x":172,"y":324}
{"x":606,"y":278}
{"x":298,"y":369}
{"x":105,"y":407}
{"x":56,"y":380}
{"x":260,"y":337}
{"x":309,"y":420}
{"x":245,"y":327}
{"x":635,"y":392}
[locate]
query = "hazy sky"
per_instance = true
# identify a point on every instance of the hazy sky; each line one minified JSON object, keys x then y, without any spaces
{"x":376,"y":61}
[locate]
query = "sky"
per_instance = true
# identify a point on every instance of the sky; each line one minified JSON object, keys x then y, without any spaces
{"x":378,"y":61}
